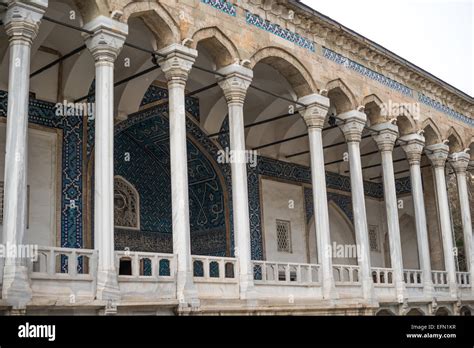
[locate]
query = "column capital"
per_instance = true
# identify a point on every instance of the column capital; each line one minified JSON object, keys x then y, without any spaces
{"x":176,"y":62}
{"x":22,"y":19}
{"x":354,"y":123}
{"x":459,"y":161}
{"x":108,"y":38}
{"x":437,"y":154}
{"x":386,"y":137}
{"x":235,"y":83}
{"x":316,"y":110}
{"x":413,"y":145}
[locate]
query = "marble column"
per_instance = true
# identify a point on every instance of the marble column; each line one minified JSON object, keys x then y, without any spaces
{"x":460,"y":161}
{"x":105,"y":45}
{"x":413,"y":145}
{"x":22,"y":21}
{"x":314,"y":116}
{"x":385,"y":139}
{"x":438,"y":153}
{"x":176,"y":64}
{"x":234,"y":85}
{"x":354,"y":122}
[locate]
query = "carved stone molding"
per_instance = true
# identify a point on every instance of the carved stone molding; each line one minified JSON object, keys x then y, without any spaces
{"x":235,"y":83}
{"x":315,"y":113}
{"x":413,"y":145}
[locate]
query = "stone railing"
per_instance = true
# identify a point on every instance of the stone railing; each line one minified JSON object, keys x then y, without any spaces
{"x":215,"y":269}
{"x":282,"y":273}
{"x":382,"y":276}
{"x":346,"y":274}
{"x":55,"y":262}
{"x":413,"y":277}
{"x":463,"y":279}
{"x":440,"y":279}
{"x":145,"y":265}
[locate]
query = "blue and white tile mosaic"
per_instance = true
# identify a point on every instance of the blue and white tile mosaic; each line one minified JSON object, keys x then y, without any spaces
{"x":348,"y":63}
{"x":222,"y":5}
{"x":443,"y":108}
{"x":275,"y":29}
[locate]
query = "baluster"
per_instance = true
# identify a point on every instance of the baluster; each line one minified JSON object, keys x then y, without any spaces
{"x":221,"y":269}
{"x":298,"y":274}
{"x":275,"y":272}
{"x":263,"y":268}
{"x":135,"y":265}
{"x":72,"y":267}
{"x":205,"y":265}
{"x":287,"y":273}
{"x":51,"y":262}
{"x":155,"y":266}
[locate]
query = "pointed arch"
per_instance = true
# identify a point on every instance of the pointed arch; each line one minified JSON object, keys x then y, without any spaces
{"x":375,"y":109}
{"x":288,"y":66}
{"x":455,"y":141}
{"x":219,"y":46}
{"x":431,"y":132}
{"x":340,"y":95}
{"x":157,"y":19}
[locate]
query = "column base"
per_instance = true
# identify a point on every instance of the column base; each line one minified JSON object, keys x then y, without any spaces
{"x":329,"y":290}
{"x":186,"y":292}
{"x":401,"y":291}
{"x":16,"y":289}
{"x":107,"y":286}
{"x":368,"y":290}
{"x":247,"y":289}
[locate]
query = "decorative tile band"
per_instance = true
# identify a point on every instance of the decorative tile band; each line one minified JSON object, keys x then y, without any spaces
{"x":443,"y":108}
{"x":286,"y":34}
{"x":339,"y":59}
{"x":221,"y":5}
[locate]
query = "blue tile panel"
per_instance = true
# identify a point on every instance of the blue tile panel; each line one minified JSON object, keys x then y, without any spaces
{"x":221,"y":5}
{"x":339,"y":59}
{"x":443,"y":108}
{"x":275,"y":29}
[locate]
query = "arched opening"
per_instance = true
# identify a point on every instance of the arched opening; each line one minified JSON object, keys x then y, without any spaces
{"x":442,"y":311}
{"x":142,"y":161}
{"x":384,"y":312}
{"x":465,"y":311}
{"x":415,"y":312}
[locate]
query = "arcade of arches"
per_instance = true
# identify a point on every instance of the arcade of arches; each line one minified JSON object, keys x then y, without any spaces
{"x":225,"y":157}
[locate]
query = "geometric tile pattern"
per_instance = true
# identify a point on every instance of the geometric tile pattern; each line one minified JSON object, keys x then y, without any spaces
{"x":348,"y":63}
{"x":221,"y":5}
{"x":443,"y":108}
{"x":275,"y":29}
{"x":142,"y":157}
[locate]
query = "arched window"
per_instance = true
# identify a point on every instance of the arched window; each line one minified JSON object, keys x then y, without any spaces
{"x":126,"y":205}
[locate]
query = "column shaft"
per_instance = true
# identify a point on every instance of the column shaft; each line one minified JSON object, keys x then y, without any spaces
{"x":385,"y":139}
{"x":352,"y":128}
{"x":437,"y":154}
{"x":22,"y":24}
{"x":176,"y":65}
{"x":105,"y":45}
{"x":460,"y":161}
{"x":314,"y":115}
{"x":421,"y":230}
{"x":234,"y":86}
